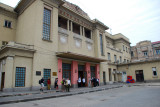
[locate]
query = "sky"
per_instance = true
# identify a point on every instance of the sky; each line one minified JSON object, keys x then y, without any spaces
{"x":138,"y":20}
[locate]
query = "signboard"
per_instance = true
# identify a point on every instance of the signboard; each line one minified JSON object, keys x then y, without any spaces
{"x":38,"y":73}
{"x":54,"y":73}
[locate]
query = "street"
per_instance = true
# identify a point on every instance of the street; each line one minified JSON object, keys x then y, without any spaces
{"x":134,"y":96}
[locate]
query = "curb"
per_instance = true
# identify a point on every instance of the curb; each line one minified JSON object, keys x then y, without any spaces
{"x":57,"y":96}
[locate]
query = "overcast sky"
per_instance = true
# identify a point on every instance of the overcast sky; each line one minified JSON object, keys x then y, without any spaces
{"x":136,"y":19}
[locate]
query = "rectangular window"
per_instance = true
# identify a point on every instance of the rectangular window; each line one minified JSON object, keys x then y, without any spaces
{"x":132,"y":54}
{"x":145,"y":53}
{"x":92,"y":68}
{"x":126,"y":49}
{"x":124,"y":60}
{"x":20,"y":77}
{"x":120,"y":59}
{"x":123,"y":48}
{"x":87,"y":33}
{"x":158,"y":51}
{"x":66,"y":70}
{"x":46,"y":75}
{"x":101,"y":44}
{"x":115,"y":58}
{"x":7,"y":24}
{"x":4,"y":43}
{"x":154,"y":71}
{"x":109,"y":56}
{"x":46,"y":24}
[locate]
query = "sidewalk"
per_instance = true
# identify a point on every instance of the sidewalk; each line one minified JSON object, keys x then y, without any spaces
{"x":15,"y":97}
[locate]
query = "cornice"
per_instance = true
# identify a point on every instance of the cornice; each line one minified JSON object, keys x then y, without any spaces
{"x":8,"y":13}
{"x":23,"y":4}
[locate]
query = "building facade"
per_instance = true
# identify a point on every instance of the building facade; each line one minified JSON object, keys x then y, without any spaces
{"x":145,"y":61}
{"x":56,"y":39}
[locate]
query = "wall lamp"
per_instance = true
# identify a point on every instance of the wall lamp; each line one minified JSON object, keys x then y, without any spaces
{"x":60,"y":70}
{"x":88,"y":71}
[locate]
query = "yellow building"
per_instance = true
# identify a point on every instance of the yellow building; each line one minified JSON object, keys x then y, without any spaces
{"x":57,"y":39}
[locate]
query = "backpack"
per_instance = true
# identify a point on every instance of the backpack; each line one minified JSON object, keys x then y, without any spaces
{"x":39,"y":81}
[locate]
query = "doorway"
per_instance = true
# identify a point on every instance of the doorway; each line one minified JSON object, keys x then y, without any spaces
{"x":2,"y":81}
{"x":82,"y":74}
{"x":139,"y":76}
{"x":104,"y":78}
{"x":110,"y":74}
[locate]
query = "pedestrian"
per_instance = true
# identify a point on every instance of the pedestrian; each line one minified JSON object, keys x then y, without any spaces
{"x":90,"y":83}
{"x":56,"y":83}
{"x":79,"y":82}
{"x":48,"y":84}
{"x":94,"y":81}
{"x":97,"y":82}
{"x":42,"y":84}
{"x":63,"y":82}
{"x":83,"y":80}
{"x":68,"y":84}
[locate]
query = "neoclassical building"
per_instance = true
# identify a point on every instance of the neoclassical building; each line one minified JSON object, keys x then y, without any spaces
{"x":56,"y":39}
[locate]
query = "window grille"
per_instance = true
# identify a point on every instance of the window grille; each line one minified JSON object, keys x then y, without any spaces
{"x":46,"y":75}
{"x":20,"y":77}
{"x":46,"y":24}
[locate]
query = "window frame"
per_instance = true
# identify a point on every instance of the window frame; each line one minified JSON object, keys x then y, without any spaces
{"x":18,"y":76}
{"x":7,"y":26}
{"x":109,"y":56}
{"x":101,"y":44}
{"x":154,"y":71}
{"x":145,"y":53}
{"x":47,"y":38}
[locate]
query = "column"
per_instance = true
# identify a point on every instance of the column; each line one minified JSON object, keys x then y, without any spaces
{"x":91,"y":35}
{"x":74,"y":74}
{"x":59,"y":73}
{"x":81,"y":30}
{"x":87,"y":69}
{"x":71,"y":26}
{"x":97,"y":72}
{"x":68,"y":25}
{"x":9,"y":74}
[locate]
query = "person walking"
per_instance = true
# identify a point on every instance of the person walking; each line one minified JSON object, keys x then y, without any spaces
{"x":97,"y":82}
{"x":79,"y":82}
{"x":48,"y":84}
{"x":83,"y":80}
{"x":56,"y":83}
{"x":68,"y":84}
{"x":63,"y":82}
{"x":42,"y":84}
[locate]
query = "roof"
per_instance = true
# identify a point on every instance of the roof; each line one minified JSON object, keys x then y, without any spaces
{"x":76,"y":9}
{"x":156,"y":42}
{"x":6,"y":7}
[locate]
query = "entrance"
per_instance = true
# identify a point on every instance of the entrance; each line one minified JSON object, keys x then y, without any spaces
{"x":2,"y":81}
{"x":104,"y":78}
{"x":82,"y":74}
{"x":139,"y":76}
{"x":110,"y":74}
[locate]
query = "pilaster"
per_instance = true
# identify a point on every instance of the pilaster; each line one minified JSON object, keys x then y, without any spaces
{"x":74,"y":73}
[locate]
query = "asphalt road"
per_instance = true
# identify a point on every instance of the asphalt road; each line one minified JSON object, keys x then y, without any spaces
{"x":135,"y":96}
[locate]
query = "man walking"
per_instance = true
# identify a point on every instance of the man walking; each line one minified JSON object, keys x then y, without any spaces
{"x":83,"y":80}
{"x":42,"y":84}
